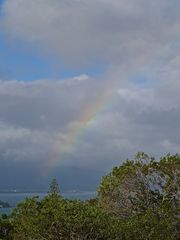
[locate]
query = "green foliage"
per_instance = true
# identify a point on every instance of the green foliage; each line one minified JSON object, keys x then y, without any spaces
{"x":139,"y":200}
{"x":160,"y":223}
{"x":54,"y":218}
{"x":140,"y":184}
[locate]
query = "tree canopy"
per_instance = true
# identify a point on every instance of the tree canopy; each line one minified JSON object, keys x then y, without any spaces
{"x":139,"y":184}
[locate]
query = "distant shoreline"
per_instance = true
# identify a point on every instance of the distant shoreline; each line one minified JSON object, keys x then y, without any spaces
{"x":4,"y":204}
{"x":45,"y":192}
{"x":13,"y":198}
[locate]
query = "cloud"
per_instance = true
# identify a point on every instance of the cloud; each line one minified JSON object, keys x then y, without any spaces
{"x":86,"y":121}
{"x":82,"y":32}
{"x":38,"y":120}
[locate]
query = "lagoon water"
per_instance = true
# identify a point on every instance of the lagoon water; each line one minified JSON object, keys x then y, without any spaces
{"x":14,"y":198}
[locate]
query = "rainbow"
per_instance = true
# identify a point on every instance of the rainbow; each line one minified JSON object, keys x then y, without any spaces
{"x":88,"y":116}
{"x":65,"y":143}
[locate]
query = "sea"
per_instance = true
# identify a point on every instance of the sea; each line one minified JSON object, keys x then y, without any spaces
{"x":14,"y":198}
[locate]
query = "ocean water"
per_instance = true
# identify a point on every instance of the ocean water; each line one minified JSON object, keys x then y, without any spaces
{"x":14,"y":198}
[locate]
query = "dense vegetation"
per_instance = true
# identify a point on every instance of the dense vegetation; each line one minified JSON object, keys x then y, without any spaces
{"x":138,"y":200}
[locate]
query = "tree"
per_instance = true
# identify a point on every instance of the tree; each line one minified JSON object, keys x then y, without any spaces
{"x":140,"y":184}
{"x":152,"y":225}
{"x":54,"y":188}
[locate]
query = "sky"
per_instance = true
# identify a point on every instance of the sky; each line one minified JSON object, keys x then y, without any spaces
{"x":85,"y":84}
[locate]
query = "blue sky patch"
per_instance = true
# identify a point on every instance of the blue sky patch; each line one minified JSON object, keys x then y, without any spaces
{"x":20,"y":63}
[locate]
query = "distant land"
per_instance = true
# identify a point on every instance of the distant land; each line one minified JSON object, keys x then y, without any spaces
{"x":41,"y":192}
{"x":4,"y":204}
